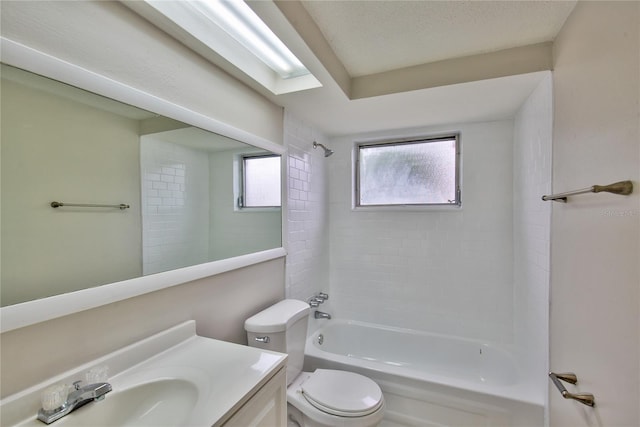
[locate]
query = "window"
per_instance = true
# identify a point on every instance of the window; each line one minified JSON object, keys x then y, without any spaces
{"x":260,"y":181}
{"x":420,"y":172}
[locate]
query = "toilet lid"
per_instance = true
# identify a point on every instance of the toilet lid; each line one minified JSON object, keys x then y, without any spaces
{"x":342,"y":393}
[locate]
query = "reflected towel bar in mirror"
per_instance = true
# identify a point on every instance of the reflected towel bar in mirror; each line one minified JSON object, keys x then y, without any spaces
{"x":121,"y":206}
{"x":622,"y":187}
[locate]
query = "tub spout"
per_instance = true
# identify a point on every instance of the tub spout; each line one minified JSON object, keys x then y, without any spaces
{"x":321,"y":315}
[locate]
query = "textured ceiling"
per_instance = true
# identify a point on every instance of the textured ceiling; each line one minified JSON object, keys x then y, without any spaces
{"x":484,"y":67}
{"x":375,"y":36}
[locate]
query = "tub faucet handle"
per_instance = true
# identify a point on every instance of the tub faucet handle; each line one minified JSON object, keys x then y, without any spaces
{"x":323,"y":296}
{"x":313,"y":303}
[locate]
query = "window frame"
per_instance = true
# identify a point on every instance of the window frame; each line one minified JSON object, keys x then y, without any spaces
{"x":456,"y":204}
{"x":240,"y":199}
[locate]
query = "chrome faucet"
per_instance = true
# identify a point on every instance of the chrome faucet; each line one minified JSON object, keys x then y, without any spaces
{"x":321,"y":315}
{"x":78,"y":397}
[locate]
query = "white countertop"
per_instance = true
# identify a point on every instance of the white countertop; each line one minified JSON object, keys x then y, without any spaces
{"x":225,"y":374}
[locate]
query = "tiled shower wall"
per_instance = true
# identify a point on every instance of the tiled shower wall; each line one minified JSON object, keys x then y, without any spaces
{"x":444,"y":271}
{"x":531,"y":228}
{"x":175,"y":187}
{"x":307,"y":214}
{"x":462,"y":272}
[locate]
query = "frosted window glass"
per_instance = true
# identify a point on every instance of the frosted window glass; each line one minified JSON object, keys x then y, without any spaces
{"x":261,"y":182}
{"x":408,"y":173}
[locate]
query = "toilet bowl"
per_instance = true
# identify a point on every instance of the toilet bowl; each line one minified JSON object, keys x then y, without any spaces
{"x":335,"y":398}
{"x":325,"y":397}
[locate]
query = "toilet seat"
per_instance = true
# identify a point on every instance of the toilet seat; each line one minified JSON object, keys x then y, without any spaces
{"x":341,"y":393}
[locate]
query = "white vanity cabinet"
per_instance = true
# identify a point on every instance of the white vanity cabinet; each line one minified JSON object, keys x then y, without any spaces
{"x":266,"y":408}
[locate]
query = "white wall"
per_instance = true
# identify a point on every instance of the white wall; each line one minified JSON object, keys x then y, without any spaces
{"x":595,"y":239}
{"x":307,"y":213}
{"x":443,"y":271}
{"x":531,"y":228}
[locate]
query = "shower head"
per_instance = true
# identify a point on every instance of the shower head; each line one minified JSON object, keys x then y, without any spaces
{"x":327,"y":151}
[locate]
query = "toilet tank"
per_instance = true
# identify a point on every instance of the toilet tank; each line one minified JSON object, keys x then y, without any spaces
{"x":281,"y":327}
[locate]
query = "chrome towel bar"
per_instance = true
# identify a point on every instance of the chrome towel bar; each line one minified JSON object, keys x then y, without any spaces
{"x":88,"y":205}
{"x":622,"y":187}
{"x":585,"y":398}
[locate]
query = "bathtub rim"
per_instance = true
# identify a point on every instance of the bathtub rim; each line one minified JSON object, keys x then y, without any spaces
{"x":519,"y":392}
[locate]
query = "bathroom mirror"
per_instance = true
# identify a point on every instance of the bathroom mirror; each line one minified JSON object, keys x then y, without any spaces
{"x":179,"y":186}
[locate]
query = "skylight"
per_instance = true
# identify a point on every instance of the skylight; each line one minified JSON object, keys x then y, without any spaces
{"x":241,"y":23}
{"x":235,"y":32}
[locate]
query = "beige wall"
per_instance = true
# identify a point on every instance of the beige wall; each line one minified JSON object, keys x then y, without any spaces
{"x":219,"y":304}
{"x":107,"y":38}
{"x":595,"y":239}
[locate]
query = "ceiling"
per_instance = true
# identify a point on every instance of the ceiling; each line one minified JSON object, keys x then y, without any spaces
{"x":375,"y":36}
{"x":400,"y":64}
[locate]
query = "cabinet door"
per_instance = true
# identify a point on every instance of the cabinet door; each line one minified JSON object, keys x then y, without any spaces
{"x":267,"y":408}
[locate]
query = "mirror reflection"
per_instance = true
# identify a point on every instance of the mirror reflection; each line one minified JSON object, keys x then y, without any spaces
{"x":184,"y":187}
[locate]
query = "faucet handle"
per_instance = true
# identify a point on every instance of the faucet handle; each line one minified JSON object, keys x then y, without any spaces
{"x":313,"y":303}
{"x":97,"y":374}
{"x":54,"y":397}
{"x":323,"y":295}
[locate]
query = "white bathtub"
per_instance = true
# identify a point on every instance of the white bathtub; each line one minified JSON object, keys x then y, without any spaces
{"x":429,"y":379}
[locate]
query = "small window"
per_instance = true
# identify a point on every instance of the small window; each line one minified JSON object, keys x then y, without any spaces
{"x":260,"y":182}
{"x":421,"y":172}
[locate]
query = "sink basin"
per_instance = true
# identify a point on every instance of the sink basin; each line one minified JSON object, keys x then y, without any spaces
{"x":159,"y":403}
{"x":173,"y":378}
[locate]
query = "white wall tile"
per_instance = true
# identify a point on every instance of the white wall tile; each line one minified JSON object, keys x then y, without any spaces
{"x":185,"y":227}
{"x":307,"y":211}
{"x":440,"y":271}
{"x":532,"y":161}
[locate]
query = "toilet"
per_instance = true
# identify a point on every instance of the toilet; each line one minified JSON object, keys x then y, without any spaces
{"x":325,"y":397}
